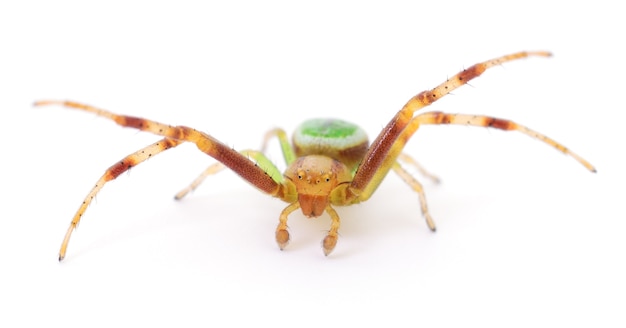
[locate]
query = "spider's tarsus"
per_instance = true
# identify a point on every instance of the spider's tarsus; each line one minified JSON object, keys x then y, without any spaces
{"x":46,"y":102}
{"x":328,"y":244}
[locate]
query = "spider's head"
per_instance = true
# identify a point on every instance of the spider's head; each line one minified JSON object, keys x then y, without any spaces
{"x":315,"y":178}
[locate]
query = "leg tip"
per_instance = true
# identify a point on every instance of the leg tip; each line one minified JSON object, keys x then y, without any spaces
{"x":282,"y":238}
{"x":329,"y":244}
{"x":46,"y":103}
{"x":430,"y":222}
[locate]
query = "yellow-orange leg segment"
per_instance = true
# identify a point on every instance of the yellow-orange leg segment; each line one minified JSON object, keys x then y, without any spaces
{"x":213,"y":169}
{"x":288,"y":154}
{"x":376,"y":163}
{"x":330,"y":241}
{"x":417,"y":187}
{"x":232,"y":159}
{"x":492,"y":122}
{"x":410,"y":160}
{"x":111,"y":173}
{"x":175,"y":135}
{"x":282,"y":235}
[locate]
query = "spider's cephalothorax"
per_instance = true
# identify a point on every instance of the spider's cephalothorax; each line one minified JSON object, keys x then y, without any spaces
{"x":330,"y":162}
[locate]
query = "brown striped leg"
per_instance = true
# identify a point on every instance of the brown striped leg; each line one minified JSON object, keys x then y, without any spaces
{"x":460,"y":119}
{"x":497,"y":123}
{"x":264,"y":175}
{"x":279,"y":133}
{"x":110,"y":174}
{"x":377,"y":162}
{"x":231,"y":158}
{"x":269,"y":168}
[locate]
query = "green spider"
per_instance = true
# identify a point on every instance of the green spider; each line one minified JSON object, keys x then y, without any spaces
{"x":331,"y":162}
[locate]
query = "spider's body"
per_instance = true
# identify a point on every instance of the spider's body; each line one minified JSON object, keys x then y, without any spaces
{"x":330,"y":163}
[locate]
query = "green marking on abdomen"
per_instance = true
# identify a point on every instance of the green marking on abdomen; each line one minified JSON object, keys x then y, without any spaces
{"x":332,"y":133}
{"x":327,"y":128}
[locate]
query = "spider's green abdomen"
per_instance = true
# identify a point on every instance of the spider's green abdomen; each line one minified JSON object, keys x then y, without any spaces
{"x":341,"y":140}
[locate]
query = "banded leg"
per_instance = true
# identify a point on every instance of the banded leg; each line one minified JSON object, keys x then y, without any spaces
{"x":496,"y":123}
{"x":461,"y":119}
{"x":255,"y":174}
{"x":260,"y":159}
{"x":384,"y":150}
{"x":232,"y":159}
{"x":288,"y":155}
{"x":112,"y":173}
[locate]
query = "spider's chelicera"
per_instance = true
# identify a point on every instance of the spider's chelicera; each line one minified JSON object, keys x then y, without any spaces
{"x":331,"y":163}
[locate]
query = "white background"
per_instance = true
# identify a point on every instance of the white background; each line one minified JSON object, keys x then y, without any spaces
{"x":526,"y":236}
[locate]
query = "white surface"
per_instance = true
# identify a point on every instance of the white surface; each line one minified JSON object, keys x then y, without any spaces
{"x":526,"y":236}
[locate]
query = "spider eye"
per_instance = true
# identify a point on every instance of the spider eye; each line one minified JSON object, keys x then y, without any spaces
{"x":327,"y":179}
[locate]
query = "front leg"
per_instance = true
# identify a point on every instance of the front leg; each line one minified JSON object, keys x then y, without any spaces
{"x":258,"y":174}
{"x":231,"y":158}
{"x":112,"y":173}
{"x":384,"y":150}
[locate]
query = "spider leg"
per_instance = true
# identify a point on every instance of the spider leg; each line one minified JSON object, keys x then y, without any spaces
{"x":458,"y":119}
{"x":231,"y":158}
{"x":288,"y":153}
{"x":213,"y":169}
{"x":383,"y":152}
{"x":112,"y":173}
{"x":404,"y":157}
{"x":417,"y":187}
{"x":261,"y":174}
{"x":261,"y":160}
{"x":497,"y":123}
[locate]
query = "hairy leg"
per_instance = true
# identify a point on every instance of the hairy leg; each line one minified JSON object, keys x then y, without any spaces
{"x":112,"y":173}
{"x":383,"y":152}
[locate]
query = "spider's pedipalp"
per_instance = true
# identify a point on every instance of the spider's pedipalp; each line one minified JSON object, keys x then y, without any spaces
{"x":213,"y":169}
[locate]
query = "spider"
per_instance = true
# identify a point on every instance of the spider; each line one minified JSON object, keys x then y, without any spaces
{"x":331,"y":162}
